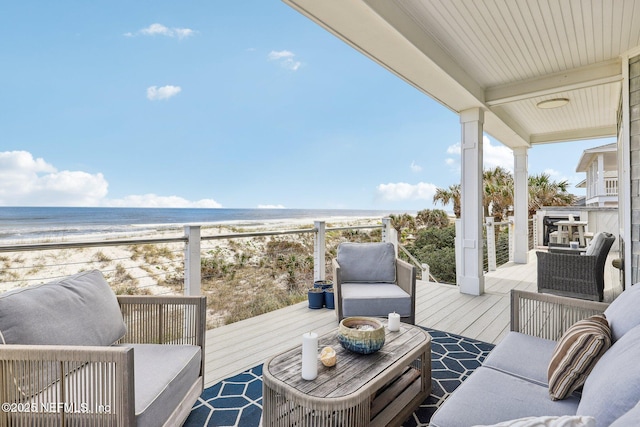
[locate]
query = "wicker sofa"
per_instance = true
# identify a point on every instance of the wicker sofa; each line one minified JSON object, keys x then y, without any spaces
{"x":72,"y":353}
{"x":511,"y":386}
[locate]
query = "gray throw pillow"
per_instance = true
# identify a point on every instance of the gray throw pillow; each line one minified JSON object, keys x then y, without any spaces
{"x":77,"y":310}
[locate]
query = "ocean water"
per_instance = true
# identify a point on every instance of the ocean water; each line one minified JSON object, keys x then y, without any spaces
{"x":37,"y":223}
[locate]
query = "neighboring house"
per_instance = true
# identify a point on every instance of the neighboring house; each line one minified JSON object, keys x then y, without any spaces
{"x":601,"y":167}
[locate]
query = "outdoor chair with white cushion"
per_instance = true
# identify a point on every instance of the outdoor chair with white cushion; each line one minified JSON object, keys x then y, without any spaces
{"x":370,"y":281}
{"x":574,"y":274}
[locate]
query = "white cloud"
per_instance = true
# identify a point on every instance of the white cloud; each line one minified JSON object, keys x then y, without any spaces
{"x":497,"y":155}
{"x":155,"y":93}
{"x":393,"y":192}
{"x":161,"y":30}
{"x":285,"y":59}
{"x":154,"y":201}
{"x":271,"y":207}
{"x":493,"y":155}
{"x":29,"y":181}
{"x":33,"y":182}
{"x":415,"y":167}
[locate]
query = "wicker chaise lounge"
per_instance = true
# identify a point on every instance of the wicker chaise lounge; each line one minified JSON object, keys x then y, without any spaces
{"x":573,"y":274}
{"x":74,"y":354}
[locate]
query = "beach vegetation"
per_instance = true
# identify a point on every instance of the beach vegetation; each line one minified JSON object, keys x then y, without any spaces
{"x":101,"y":257}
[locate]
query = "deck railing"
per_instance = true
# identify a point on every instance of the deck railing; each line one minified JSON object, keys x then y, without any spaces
{"x":175,"y":264}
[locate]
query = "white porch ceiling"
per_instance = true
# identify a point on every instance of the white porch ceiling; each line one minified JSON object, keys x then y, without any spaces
{"x":502,"y":55}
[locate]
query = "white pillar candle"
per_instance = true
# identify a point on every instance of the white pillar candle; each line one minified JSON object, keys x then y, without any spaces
{"x":309,"y":356}
{"x":394,"y":322}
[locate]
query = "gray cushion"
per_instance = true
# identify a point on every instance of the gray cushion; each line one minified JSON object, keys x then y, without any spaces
{"x":374,"y":299}
{"x":514,"y":348}
{"x":367,"y":262}
{"x":623,"y":313}
{"x":77,"y":310}
{"x":489,"y":396}
{"x":596,"y":245}
{"x":629,"y":419}
{"x":613,"y":387}
{"x":163,"y":376}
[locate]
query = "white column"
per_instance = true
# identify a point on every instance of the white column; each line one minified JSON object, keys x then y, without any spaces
{"x":471,"y":277}
{"x":521,"y":205}
{"x":319,"y":249}
{"x":601,"y":190}
{"x":192,"y":275}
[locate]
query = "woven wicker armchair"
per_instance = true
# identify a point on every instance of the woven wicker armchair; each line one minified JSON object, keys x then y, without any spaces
{"x":573,"y":274}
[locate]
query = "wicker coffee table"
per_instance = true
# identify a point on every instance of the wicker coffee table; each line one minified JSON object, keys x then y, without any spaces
{"x":378,"y":389}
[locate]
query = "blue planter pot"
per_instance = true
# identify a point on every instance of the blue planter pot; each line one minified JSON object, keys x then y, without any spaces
{"x":323,"y":284}
{"x":316,"y":298}
{"x":329,"y":300}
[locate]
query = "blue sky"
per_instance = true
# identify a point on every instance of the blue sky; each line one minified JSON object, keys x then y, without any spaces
{"x":239,"y":104}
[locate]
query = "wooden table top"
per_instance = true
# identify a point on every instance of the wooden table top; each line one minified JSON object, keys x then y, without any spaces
{"x":353,"y":372}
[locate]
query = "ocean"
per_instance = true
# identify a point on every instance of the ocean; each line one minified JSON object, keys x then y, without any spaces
{"x":18,"y":224}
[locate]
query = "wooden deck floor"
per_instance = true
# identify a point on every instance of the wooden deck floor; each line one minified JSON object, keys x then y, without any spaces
{"x":234,"y":348}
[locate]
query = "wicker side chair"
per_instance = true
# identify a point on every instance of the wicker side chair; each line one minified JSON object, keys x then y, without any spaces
{"x":573,"y":274}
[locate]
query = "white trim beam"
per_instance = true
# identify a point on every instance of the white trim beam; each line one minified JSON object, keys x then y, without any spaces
{"x":574,"y":135}
{"x":579,"y":78}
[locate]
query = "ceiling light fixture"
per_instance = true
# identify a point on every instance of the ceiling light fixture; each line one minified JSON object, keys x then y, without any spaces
{"x":553,"y":103}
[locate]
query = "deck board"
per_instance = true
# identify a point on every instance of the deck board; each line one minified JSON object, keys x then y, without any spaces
{"x":239,"y":346}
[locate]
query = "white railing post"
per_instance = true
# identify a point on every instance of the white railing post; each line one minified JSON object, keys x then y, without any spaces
{"x":389,"y":234}
{"x":319,"y":249}
{"x":491,"y":244}
{"x":426,"y":274}
{"x":512,"y":238}
{"x":192,"y":276}
{"x":458,"y":250}
{"x":534,"y":227}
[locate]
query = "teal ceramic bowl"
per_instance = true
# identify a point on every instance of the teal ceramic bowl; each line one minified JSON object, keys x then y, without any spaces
{"x":364,"y":335}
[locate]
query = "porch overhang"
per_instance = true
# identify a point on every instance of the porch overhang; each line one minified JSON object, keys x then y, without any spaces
{"x":541,"y":50}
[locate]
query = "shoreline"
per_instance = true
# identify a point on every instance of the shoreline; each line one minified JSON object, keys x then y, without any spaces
{"x":176,"y":229}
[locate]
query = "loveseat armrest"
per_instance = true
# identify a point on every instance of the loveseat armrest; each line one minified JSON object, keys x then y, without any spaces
{"x":66,"y":385}
{"x":549,"y":316}
{"x":164,"y":319}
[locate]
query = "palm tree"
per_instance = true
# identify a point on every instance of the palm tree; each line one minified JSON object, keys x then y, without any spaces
{"x":545,"y":192}
{"x":403,"y":221}
{"x":498,"y":192}
{"x":432,"y":218}
{"x":450,"y":195}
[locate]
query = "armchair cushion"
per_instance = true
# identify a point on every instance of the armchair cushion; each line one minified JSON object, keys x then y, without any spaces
{"x":367,"y":262}
{"x":163,"y":376}
{"x":596,"y":245}
{"x":77,"y":310}
{"x":358,"y":299}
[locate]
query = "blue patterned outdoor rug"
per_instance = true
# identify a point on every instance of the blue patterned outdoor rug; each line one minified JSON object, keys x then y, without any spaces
{"x":237,"y":401}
